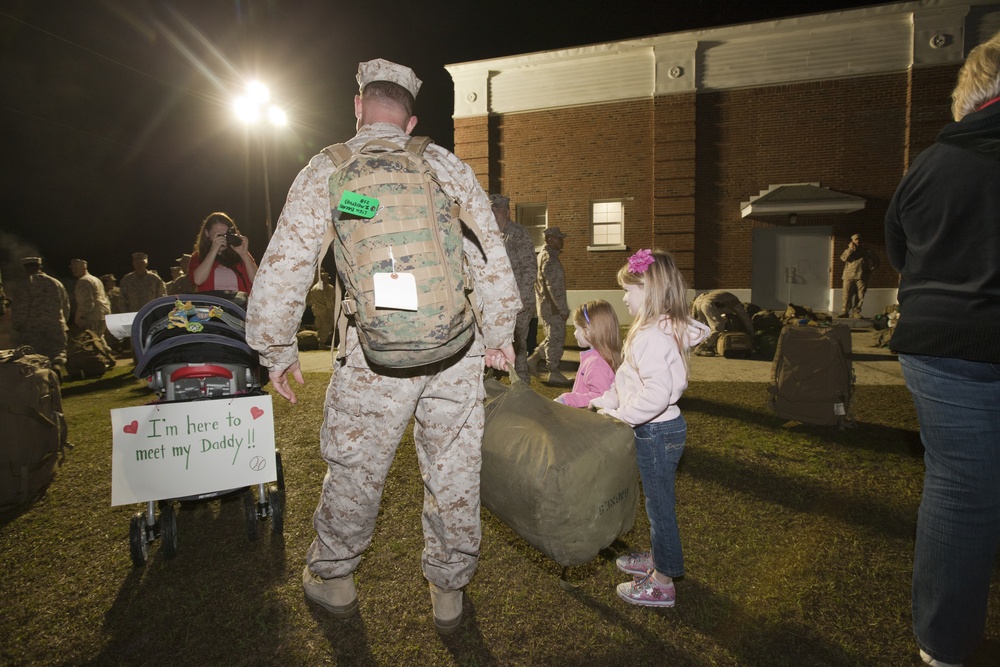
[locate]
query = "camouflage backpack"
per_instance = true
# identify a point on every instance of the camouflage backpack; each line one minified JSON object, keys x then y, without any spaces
{"x":392,"y":217}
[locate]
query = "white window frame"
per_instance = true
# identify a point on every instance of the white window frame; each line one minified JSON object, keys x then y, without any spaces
{"x":602,"y":218}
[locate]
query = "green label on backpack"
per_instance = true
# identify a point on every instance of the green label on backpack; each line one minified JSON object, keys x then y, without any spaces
{"x":354,"y":204}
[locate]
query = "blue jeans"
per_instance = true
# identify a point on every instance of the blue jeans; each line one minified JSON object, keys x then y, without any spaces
{"x":658,"y":449}
{"x":958,"y":525}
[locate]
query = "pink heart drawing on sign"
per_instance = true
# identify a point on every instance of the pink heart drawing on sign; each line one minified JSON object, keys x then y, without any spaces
{"x":256,"y":412}
{"x":133,"y":427}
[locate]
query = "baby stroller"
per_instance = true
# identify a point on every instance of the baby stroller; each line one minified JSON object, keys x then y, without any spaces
{"x":193,"y":347}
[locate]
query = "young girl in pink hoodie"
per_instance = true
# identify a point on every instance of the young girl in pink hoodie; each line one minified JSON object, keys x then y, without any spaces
{"x":595,"y":327}
{"x":650,"y":380}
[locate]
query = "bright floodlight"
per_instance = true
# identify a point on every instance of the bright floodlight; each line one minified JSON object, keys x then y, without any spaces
{"x":258,"y":92}
{"x":276,"y":116}
{"x":246,"y":109}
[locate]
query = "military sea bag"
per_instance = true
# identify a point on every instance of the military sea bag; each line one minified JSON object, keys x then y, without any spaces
{"x":31,"y":423}
{"x":88,"y":355}
{"x":734,"y":344}
{"x":812,"y":380}
{"x":393,"y":221}
{"x":564,"y":479}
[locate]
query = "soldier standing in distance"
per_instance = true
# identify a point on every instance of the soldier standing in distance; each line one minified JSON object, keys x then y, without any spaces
{"x":40,"y":310}
{"x":521,"y":252}
{"x":142,"y":285}
{"x":553,"y":310}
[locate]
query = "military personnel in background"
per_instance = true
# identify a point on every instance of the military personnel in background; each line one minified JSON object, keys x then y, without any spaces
{"x":722,"y":311}
{"x":553,"y":311}
{"x":40,"y":310}
{"x":859,"y":263}
{"x":180,"y":282}
{"x":368,"y":410}
{"x":521,"y":252}
{"x":91,"y":302}
{"x":142,"y":285}
{"x":114,"y":294}
{"x":321,"y":299}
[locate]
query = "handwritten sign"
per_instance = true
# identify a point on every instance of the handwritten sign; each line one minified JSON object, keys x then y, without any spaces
{"x":359,"y":205}
{"x":176,"y":450}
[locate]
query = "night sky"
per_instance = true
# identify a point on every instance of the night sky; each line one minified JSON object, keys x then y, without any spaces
{"x":118,"y":128}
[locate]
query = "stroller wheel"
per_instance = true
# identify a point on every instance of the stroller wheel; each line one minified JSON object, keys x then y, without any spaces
{"x":280,"y":470}
{"x":250,"y":509}
{"x":168,"y":530}
{"x":277,"y":499}
{"x":138,"y":546}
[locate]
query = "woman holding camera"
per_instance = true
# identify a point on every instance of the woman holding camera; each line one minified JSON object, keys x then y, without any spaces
{"x":221,"y":258}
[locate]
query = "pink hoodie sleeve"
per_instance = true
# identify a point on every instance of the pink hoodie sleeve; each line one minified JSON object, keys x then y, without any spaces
{"x":593,"y":379}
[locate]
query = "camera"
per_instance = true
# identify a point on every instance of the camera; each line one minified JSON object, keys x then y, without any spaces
{"x":233,"y":239}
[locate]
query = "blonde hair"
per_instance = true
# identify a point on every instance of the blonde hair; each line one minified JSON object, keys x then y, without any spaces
{"x":600,"y":322}
{"x":665,"y":294}
{"x":978,"y":80}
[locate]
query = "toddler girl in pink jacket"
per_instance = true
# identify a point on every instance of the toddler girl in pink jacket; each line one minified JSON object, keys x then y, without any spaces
{"x":596,"y":330}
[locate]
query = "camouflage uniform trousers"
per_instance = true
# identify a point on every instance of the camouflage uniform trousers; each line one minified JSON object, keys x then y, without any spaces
{"x":521,"y":325}
{"x":551,"y":349}
{"x":365,"y":416}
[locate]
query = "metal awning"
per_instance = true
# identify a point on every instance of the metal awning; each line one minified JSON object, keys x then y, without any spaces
{"x":789,"y":199}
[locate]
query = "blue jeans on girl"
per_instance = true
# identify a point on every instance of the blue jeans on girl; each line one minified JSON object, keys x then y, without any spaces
{"x":958,"y":524}
{"x":658,"y":449}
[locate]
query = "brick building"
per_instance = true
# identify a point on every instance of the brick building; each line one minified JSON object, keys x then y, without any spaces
{"x":751,"y":152}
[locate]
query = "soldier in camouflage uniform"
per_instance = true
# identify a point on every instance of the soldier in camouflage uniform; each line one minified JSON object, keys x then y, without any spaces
{"x":39,"y":310}
{"x":553,"y":311}
{"x":181,"y":282}
{"x":91,"y":302}
{"x":367,"y":410}
{"x":321,"y":300}
{"x":142,"y":285}
{"x":521,"y":252}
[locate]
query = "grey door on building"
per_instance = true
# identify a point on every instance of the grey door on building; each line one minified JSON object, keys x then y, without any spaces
{"x":792,"y":265}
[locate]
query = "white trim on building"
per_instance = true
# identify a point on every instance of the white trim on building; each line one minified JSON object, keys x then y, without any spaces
{"x":835,"y":45}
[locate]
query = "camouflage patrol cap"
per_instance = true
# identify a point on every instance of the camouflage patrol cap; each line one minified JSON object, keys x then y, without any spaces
{"x":499,"y":201}
{"x":554,"y":231}
{"x":139,"y":255}
{"x":108,"y":276}
{"x":31,"y":260}
{"x":383,"y":70}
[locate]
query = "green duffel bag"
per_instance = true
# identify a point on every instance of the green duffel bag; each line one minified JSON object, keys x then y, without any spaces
{"x":565,"y":479}
{"x":32,"y":424}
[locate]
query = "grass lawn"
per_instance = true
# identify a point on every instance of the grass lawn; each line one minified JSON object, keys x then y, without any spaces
{"x":798,"y":546}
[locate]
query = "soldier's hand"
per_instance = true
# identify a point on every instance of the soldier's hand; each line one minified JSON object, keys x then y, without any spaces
{"x":500,"y":358}
{"x":279,"y":380}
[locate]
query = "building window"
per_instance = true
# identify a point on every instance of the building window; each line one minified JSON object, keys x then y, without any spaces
{"x":534,"y":218}
{"x":607,"y":222}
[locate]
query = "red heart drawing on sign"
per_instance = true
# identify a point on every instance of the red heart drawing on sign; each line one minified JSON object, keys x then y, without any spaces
{"x":133,"y":427}
{"x":256,"y":412}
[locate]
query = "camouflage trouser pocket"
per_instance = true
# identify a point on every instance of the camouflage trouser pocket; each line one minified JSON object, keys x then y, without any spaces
{"x":342,"y":436}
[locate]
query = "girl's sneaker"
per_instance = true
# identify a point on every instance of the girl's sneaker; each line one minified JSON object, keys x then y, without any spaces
{"x":646,"y":592}
{"x":636,"y":564}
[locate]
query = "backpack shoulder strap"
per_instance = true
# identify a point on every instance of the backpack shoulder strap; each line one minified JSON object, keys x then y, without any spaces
{"x":417,"y":145}
{"x":338,"y":154}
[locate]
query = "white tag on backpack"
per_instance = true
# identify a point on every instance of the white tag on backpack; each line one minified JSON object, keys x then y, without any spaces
{"x":395,"y":290}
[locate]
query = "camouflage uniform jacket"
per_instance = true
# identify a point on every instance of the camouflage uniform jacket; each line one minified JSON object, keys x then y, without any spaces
{"x":91,"y":302}
{"x":181,"y":285}
{"x":288,"y":269}
{"x":550,"y":287}
{"x":137,"y":290}
{"x":39,"y":302}
{"x":521,"y":252}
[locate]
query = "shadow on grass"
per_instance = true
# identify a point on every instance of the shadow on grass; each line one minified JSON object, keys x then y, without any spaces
{"x":105,"y":383}
{"x":864,"y":435}
{"x":215,"y":600}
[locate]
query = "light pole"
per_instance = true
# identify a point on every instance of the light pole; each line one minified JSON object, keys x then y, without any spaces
{"x":250,"y":108}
